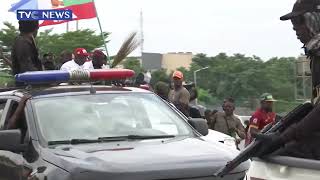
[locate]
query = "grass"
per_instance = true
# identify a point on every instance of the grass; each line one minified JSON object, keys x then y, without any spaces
{"x":6,"y":79}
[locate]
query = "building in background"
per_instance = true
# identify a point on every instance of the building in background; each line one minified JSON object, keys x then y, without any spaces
{"x":168,"y":61}
{"x":151,"y":61}
{"x":173,"y":61}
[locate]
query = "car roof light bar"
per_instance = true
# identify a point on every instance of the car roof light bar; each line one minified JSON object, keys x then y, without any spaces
{"x":47,"y":77}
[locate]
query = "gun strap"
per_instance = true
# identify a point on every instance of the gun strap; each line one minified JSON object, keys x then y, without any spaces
{"x":316,"y":99}
{"x":228,"y":126}
{"x":225,"y":118}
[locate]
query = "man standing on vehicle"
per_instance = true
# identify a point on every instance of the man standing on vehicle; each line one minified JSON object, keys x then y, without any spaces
{"x":302,"y":139}
{"x":80,"y":57}
{"x":226,"y":122}
{"x":262,"y":117}
{"x":24,"y":53}
{"x":48,"y":61}
{"x":65,"y":56}
{"x":179,"y":96}
{"x":98,"y":59}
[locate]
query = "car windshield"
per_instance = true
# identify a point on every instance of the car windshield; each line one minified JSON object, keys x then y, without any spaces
{"x":107,"y":115}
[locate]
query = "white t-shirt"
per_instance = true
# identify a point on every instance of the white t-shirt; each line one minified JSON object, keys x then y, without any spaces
{"x":88,"y":65}
{"x":72,"y":65}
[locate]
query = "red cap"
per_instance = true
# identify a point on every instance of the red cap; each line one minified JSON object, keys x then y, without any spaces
{"x":81,"y":52}
{"x":177,"y":74}
{"x":98,"y":53}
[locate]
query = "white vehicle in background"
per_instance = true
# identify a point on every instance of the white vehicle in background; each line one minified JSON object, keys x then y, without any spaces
{"x":283,"y":167}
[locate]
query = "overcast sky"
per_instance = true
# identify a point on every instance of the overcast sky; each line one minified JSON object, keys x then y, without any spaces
{"x":250,"y":27}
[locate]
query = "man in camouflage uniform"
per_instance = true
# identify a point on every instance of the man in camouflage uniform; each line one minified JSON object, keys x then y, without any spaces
{"x":302,"y":139}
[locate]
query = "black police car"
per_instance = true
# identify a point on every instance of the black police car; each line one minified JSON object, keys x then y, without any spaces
{"x":98,"y":132}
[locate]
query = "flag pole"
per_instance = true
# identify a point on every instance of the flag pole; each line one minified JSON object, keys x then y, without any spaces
{"x":102,"y":35}
{"x":67,"y":27}
{"x":77,"y":25}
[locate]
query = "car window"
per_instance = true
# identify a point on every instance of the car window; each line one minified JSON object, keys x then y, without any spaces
{"x":3,"y":103}
{"x":106,"y":115}
{"x":160,"y":121}
{"x":2,"y":106}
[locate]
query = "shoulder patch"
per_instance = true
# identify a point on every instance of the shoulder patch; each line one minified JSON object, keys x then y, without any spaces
{"x":255,"y":120}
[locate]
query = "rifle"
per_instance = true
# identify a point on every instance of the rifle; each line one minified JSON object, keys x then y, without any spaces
{"x":251,"y":150}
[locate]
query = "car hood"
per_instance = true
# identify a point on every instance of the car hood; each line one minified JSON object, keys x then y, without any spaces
{"x":147,"y":159}
{"x":217,"y":136}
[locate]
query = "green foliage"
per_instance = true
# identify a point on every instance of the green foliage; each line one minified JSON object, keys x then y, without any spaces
{"x":56,"y":43}
{"x":285,"y":106}
{"x":242,"y":77}
{"x":204,"y":96}
{"x":159,"y":75}
{"x":49,"y":42}
{"x":6,"y":80}
{"x":7,"y":36}
{"x":133,"y":64}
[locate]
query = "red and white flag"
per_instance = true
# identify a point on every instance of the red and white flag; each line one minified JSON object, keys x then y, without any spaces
{"x":81,"y":9}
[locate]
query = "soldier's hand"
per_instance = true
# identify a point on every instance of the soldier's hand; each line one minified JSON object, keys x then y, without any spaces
{"x":24,"y":99}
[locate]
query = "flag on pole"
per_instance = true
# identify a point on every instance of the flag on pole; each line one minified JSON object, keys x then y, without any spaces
{"x":81,"y":9}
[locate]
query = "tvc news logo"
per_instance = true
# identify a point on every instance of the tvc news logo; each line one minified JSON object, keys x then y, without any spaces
{"x":44,"y":14}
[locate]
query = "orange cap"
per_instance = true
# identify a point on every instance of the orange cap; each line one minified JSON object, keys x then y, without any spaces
{"x":177,"y":74}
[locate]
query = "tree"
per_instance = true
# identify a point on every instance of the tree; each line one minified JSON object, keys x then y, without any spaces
{"x":56,"y":43}
{"x":7,"y":36}
{"x":159,"y":75}
{"x":242,"y":77}
{"x":133,"y":64}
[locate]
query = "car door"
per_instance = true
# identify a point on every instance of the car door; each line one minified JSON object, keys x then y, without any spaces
{"x":284,"y":167}
{"x":12,"y":165}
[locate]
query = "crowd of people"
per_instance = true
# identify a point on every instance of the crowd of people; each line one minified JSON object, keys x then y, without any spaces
{"x":299,"y":140}
{"x":222,"y":121}
{"x":25,"y":55}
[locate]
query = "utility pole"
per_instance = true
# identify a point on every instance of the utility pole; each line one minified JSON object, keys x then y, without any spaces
{"x":141,"y":32}
{"x":195,"y":75}
{"x":67,"y":24}
{"x":77,"y":25}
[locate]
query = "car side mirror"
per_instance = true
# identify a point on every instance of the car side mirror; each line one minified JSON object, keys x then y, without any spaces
{"x":200,"y":125}
{"x":10,"y":140}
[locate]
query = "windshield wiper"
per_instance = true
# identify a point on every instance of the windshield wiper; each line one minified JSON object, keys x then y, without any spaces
{"x":104,"y":139}
{"x":134,"y":137}
{"x":74,"y":141}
